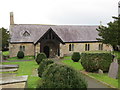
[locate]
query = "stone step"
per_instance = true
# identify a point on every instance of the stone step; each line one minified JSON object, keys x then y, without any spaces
{"x":14,"y":79}
{"x":8,"y":66}
{"x":9,"y":70}
{"x":14,"y":86}
{"x":2,"y":75}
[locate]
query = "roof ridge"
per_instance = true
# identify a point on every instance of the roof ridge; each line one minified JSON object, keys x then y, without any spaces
{"x":60,"y":25}
{"x":35,"y":24}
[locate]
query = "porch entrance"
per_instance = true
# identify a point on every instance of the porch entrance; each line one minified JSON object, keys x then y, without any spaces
{"x":46,"y":50}
{"x":50,"y":44}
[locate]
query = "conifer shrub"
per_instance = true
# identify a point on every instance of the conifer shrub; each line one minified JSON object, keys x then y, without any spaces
{"x":40,"y":57}
{"x":92,"y":61}
{"x":43,"y":65}
{"x":20,"y":54}
{"x":61,"y":76}
{"x":76,"y":56}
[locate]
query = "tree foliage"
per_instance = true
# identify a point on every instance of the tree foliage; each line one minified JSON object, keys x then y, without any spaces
{"x":63,"y":77}
{"x":4,"y":37}
{"x":110,"y":34}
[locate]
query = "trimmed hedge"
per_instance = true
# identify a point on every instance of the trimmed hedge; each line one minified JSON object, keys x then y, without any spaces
{"x":93,"y":61}
{"x":43,"y":65}
{"x":61,"y":76}
{"x":20,"y":54}
{"x":76,"y":56}
{"x":40,"y":57}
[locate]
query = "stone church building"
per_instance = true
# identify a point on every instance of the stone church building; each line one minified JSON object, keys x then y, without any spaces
{"x":53,"y":40}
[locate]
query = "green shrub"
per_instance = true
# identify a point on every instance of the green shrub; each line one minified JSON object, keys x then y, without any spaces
{"x":76,"y":56}
{"x":20,"y":54}
{"x":61,"y":76}
{"x":94,"y":61}
{"x":43,"y":65}
{"x":40,"y":57}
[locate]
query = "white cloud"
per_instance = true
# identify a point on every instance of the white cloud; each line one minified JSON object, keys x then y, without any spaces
{"x":58,"y":11}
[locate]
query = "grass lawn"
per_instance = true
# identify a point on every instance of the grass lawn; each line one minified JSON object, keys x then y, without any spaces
{"x":67,"y":58}
{"x":5,"y":53}
{"x":76,"y":65}
{"x":25,"y":58}
{"x":105,"y":78}
{"x":27,"y":68}
{"x":117,"y":54}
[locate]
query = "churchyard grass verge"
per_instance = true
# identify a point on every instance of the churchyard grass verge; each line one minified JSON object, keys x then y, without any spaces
{"x":104,"y":77}
{"x":25,"y":58}
{"x":27,"y":68}
{"x":101,"y":77}
{"x":75,"y":65}
{"x":116,"y":53}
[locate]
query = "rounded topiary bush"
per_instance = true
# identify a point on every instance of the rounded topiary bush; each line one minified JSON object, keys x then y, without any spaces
{"x":20,"y":54}
{"x":40,"y":57}
{"x":76,"y":56}
{"x":92,"y":61}
{"x":43,"y":65}
{"x":61,"y":76}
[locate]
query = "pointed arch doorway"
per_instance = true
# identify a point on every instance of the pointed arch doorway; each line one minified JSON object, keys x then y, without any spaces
{"x":46,"y":50}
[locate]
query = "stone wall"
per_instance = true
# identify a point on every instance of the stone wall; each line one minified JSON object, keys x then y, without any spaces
{"x":37,"y":49}
{"x":14,"y":48}
{"x":80,"y":47}
{"x":30,"y":49}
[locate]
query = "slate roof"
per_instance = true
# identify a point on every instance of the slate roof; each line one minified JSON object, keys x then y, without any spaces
{"x":67,"y":33}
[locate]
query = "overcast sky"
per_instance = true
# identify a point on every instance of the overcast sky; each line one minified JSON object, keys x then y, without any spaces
{"x":58,"y":12}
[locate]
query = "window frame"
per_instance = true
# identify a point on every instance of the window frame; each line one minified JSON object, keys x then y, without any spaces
{"x":70,"y":47}
{"x":100,"y":47}
{"x":87,"y":47}
{"x":22,"y":48}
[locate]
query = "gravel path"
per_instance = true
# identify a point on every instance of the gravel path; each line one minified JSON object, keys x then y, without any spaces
{"x":92,"y":83}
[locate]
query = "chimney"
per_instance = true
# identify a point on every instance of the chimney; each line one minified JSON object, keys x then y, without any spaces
{"x":11,"y":18}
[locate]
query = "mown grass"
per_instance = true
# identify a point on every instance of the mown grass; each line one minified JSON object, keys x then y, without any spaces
{"x":75,"y":65}
{"x":116,"y":53}
{"x":25,"y":58}
{"x":27,"y":68}
{"x":33,"y":82}
{"x":104,"y":77}
{"x":5,"y":53}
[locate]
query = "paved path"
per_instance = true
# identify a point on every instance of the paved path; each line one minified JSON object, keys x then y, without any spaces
{"x":92,"y":83}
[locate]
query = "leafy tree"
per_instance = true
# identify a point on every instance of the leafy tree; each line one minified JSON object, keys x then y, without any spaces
{"x":4,"y":37}
{"x":110,"y":34}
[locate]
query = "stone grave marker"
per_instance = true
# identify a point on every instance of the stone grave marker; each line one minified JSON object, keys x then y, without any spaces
{"x":113,"y":70}
{"x":100,"y":71}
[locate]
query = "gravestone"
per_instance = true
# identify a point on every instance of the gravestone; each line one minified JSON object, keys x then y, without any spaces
{"x":100,"y":71}
{"x":113,"y":70}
